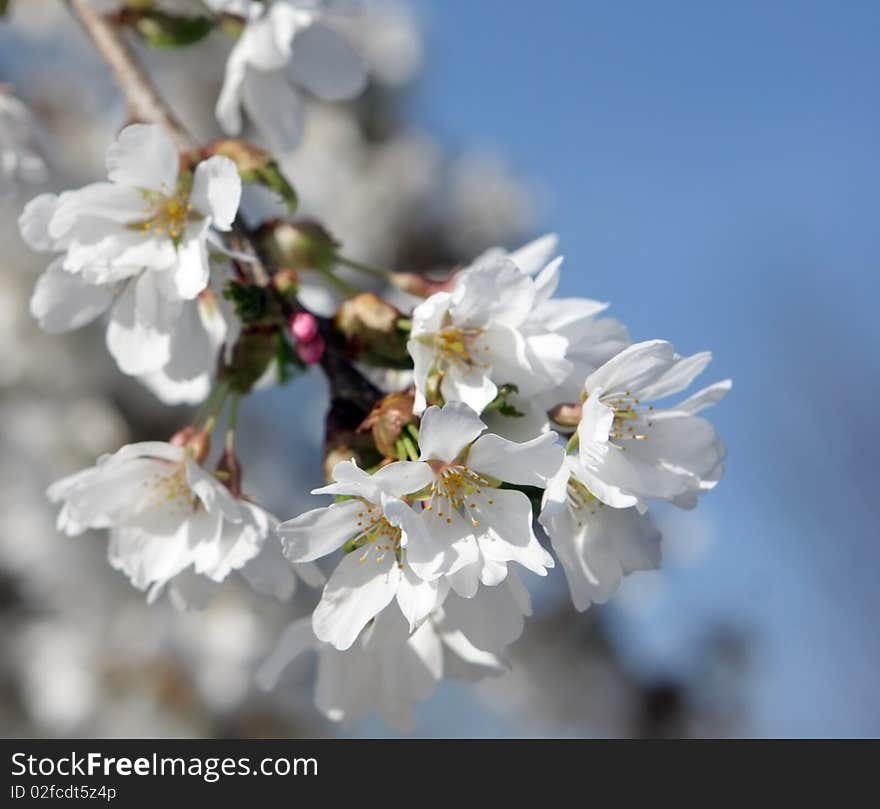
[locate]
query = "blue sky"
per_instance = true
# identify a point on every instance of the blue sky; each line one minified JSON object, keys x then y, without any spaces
{"x":712,"y":169}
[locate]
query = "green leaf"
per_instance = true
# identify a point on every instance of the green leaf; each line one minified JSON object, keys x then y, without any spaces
{"x":250,"y":302}
{"x":501,"y":404}
{"x":270,"y":176}
{"x":289,"y":363}
{"x":165,"y":31}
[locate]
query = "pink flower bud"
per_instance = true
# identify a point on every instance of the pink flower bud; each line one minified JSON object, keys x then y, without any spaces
{"x":311,"y":351}
{"x":303,"y":326}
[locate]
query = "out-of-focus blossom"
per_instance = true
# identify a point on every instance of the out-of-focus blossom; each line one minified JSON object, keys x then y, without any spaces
{"x":286,"y":47}
{"x":388,"y":669}
{"x":20,"y":158}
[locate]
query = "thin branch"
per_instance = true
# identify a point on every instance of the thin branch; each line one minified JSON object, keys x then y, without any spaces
{"x":144,"y":102}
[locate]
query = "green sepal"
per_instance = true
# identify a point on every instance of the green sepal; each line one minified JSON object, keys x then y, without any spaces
{"x":500,"y":403}
{"x":167,"y":31}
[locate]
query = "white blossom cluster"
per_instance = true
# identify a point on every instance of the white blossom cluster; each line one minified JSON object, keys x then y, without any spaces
{"x":528,"y":416}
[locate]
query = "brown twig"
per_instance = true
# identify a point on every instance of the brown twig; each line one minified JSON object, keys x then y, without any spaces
{"x":144,"y":102}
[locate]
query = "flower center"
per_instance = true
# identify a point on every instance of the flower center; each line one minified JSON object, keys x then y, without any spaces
{"x":167,"y":215}
{"x":632,"y":420}
{"x":458,"y":489}
{"x":170,"y":492}
{"x":579,"y":497}
{"x":459,"y":346}
{"x":375,"y":535}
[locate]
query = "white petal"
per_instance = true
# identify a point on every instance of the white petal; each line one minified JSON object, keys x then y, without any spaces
{"x":491,"y":620}
{"x":598,"y":546}
{"x":228,"y":107}
{"x":323,"y":61}
{"x":215,"y":497}
{"x":275,"y":107}
{"x":216,"y":191}
{"x":496,"y":290}
{"x":320,"y":531}
{"x":428,"y":316}
{"x":189,"y":591}
{"x":706,"y":397}
{"x":466,"y":662}
{"x":186,"y":377}
{"x":423,"y":361}
{"x":362,"y":585}
{"x":678,"y":377}
{"x":237,"y":544}
{"x":508,"y":534}
{"x":190,"y":275}
{"x":63,"y":301}
{"x":350,"y":479}
{"x":466,"y":580}
{"x":269,"y":573}
{"x":34,"y":221}
{"x":527,"y":464}
{"x":147,"y":557}
{"x":424,"y":552}
{"x":143,"y":156}
{"x":546,"y":282}
{"x":403,"y":477}
{"x":139,"y":331}
{"x":444,"y":433}
{"x":296,"y":639}
{"x":533,"y":257}
{"x":417,"y":598}
{"x":596,"y":421}
{"x":116,"y":204}
{"x":679,"y":444}
{"x":634,"y":368}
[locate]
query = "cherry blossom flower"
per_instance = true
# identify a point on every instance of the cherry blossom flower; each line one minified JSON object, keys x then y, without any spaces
{"x":136,"y":246}
{"x":286,"y":47}
{"x":470,"y":341}
{"x":629,"y":451}
{"x":165,"y":513}
{"x":382,"y":536}
{"x":596,"y":544}
{"x":477,"y":527}
{"x":591,"y":341}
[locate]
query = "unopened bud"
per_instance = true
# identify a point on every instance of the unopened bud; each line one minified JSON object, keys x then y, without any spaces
{"x":370,"y":327}
{"x":311,"y":351}
{"x":286,"y":282}
{"x":297,"y":245}
{"x":303,"y":326}
{"x":366,"y":312}
{"x":388,"y":419}
{"x":246,"y":156}
{"x":336,"y":455}
{"x":423,"y":287}
{"x":255,"y":166}
{"x":566,"y":415}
